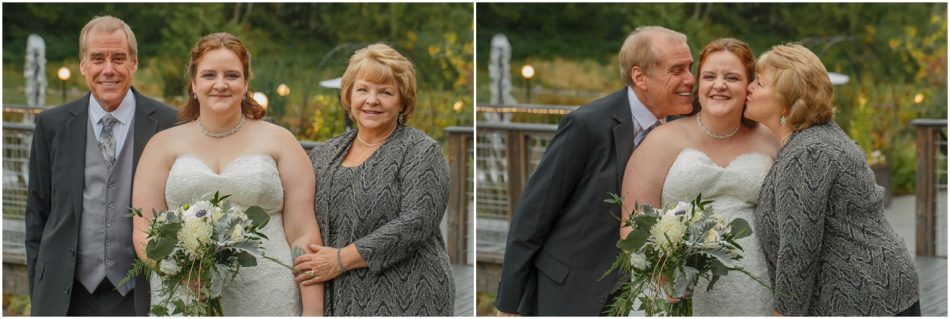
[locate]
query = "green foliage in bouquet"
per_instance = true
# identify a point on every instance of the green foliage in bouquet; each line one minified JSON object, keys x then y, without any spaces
{"x":204,"y":243}
{"x":669,"y":250}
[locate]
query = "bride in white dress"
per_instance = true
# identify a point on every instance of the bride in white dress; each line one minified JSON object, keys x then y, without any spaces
{"x":720,"y":154}
{"x":224,"y":146}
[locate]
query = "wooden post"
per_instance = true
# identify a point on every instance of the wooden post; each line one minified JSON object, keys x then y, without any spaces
{"x":460,"y":142}
{"x":926,"y":217}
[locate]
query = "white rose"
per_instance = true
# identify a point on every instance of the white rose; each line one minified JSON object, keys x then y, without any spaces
{"x":638,"y":261}
{"x":169,"y":267}
{"x":712,"y":239}
{"x":237,"y":233}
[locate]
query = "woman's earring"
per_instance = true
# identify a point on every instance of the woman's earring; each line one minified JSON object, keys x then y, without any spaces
{"x":402,"y":118}
{"x":782,"y":120}
{"x":196,"y":97}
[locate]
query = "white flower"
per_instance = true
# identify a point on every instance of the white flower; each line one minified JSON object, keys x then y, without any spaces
{"x":198,"y":210}
{"x":237,"y":234}
{"x":681,"y":209}
{"x":712,"y":239}
{"x":638,"y":261}
{"x":169,"y":267}
{"x":194,"y":232}
{"x":668,"y":232}
{"x":237,"y":212}
{"x":697,"y":215}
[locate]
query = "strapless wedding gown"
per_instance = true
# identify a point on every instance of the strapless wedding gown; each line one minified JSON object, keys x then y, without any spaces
{"x":735,"y":192}
{"x":267,"y":289}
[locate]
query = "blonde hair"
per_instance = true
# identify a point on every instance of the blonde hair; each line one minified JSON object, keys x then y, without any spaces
{"x":639,"y":49}
{"x":380,"y":63}
{"x":108,"y":24}
{"x":802,"y":84}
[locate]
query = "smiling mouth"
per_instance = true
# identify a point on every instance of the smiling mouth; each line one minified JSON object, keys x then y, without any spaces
{"x":109,"y":83}
{"x":720,"y":97}
{"x":684,"y":94}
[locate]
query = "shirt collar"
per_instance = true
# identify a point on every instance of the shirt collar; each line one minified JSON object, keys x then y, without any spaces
{"x":640,"y":113}
{"x":123,"y":113}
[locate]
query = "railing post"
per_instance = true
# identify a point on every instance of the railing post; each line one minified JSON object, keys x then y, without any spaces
{"x":926,"y":179}
{"x":460,"y":141}
{"x":516,"y":168}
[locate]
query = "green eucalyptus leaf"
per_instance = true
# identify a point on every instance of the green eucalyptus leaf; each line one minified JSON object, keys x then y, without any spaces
{"x":159,"y":249}
{"x":258,"y":216}
{"x":635,"y":240}
{"x":740,"y":228}
{"x":245,"y":259}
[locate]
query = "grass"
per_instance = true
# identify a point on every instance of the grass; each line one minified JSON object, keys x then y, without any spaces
{"x":16,"y":305}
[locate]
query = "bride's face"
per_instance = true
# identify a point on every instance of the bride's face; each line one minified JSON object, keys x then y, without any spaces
{"x":762,"y":103}
{"x":219,"y":82}
{"x":722,"y":83}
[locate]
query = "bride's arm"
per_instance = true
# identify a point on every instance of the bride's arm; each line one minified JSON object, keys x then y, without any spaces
{"x":645,"y":173}
{"x":148,"y":188}
{"x":300,"y":223}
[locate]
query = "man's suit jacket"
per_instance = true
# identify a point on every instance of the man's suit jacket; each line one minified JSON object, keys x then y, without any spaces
{"x":54,"y":202}
{"x":563,"y":235}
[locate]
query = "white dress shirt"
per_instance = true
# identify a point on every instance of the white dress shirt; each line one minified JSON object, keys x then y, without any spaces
{"x":124,"y":113}
{"x":642,"y":117}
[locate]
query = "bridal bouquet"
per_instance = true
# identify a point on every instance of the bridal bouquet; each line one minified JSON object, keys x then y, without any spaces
{"x":195,"y":248}
{"x":669,"y":250}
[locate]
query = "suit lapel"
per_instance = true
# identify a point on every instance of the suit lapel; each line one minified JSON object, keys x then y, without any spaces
{"x":622,"y":133}
{"x":75,"y":146}
{"x":144,"y":125}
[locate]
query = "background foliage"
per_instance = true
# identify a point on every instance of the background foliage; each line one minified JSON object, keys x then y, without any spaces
{"x":298,"y":44}
{"x":895,"y":55}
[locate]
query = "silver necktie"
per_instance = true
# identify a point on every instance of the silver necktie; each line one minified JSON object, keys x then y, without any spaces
{"x":107,"y":140}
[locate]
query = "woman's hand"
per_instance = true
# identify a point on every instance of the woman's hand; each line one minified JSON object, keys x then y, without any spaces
{"x":195,"y":287}
{"x":318,"y":267}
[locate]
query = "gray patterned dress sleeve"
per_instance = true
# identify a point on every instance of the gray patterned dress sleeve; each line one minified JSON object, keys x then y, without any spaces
{"x":829,"y":249}
{"x":424,"y":185}
{"x":801,"y":197}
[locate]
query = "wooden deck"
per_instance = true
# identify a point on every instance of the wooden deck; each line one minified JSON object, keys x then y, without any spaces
{"x":465,"y":290}
{"x":932,"y":272}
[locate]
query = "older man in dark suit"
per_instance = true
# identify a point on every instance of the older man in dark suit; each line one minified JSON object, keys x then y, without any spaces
{"x":563,"y":237}
{"x":84,"y":153}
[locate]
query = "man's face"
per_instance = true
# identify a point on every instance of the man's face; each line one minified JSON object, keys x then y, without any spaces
{"x":108,"y":67}
{"x":668,"y":86}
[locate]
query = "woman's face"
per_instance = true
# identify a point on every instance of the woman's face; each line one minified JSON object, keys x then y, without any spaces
{"x":375,"y":106}
{"x":722,"y":83}
{"x":763,"y":100}
{"x":219,"y":81}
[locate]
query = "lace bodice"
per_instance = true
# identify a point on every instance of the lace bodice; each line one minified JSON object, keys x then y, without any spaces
{"x":267,"y":289}
{"x":250,"y":180}
{"x":735,"y":192}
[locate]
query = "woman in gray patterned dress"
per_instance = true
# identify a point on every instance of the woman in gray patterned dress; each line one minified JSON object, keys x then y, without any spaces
{"x":382,"y":190}
{"x":820,"y":219}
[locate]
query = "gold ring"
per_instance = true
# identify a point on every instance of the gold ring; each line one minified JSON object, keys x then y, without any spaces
{"x":310,"y":272}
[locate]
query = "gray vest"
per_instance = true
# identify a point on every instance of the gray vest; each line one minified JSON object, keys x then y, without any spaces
{"x":105,"y":233}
